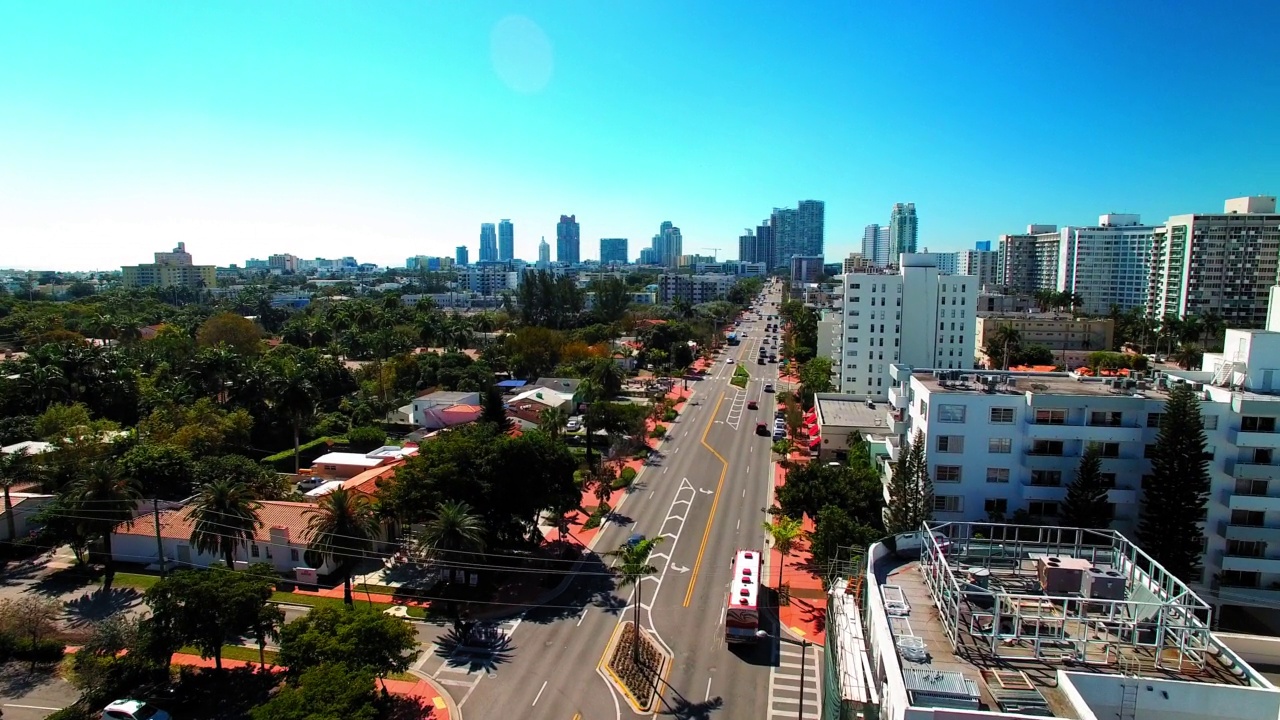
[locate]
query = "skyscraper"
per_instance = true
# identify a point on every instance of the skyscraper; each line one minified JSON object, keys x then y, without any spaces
{"x":567,"y":240}
{"x":613,"y":251}
{"x":488,"y":242}
{"x":810,"y":220}
{"x":544,"y":254}
{"x":747,"y":246}
{"x":904,"y":232}
{"x":506,"y":240}
{"x":875,"y":245}
{"x":785,"y":222}
{"x":461,"y":256}
{"x":765,"y":245}
{"x":668,"y":245}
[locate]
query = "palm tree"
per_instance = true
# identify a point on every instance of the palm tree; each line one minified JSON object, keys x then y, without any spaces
{"x":108,"y":499}
{"x":453,"y":530}
{"x":225,"y":516}
{"x":633,"y":567}
{"x":15,"y":467}
{"x":1007,"y":335}
{"x":784,"y":534}
{"x":296,"y":396}
{"x":266,"y":626}
{"x":552,"y":420}
{"x":341,"y":529}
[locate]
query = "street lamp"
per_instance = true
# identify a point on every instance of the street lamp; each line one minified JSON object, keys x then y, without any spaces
{"x":804,"y":651}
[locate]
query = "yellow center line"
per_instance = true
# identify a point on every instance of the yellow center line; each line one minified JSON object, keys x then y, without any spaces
{"x":715,"y":502}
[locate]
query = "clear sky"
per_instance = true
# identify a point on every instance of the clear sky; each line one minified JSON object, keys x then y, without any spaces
{"x":394,"y":128}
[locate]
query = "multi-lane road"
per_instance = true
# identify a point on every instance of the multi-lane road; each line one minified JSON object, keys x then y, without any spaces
{"x":705,"y":497}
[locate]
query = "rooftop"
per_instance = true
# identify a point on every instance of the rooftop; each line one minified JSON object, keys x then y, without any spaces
{"x":1020,"y":383}
{"x":446,"y":397}
{"x":178,"y":523}
{"x":564,"y":385}
{"x":848,"y":411}
{"x":349,"y":458}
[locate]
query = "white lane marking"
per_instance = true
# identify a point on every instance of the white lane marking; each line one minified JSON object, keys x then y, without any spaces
{"x":651,"y":492}
{"x":739,"y":525}
{"x":744,"y":492}
{"x":748,"y":468}
{"x":31,"y":707}
{"x":583,"y":617}
{"x":708,"y":695}
{"x":544,"y":687}
{"x":664,"y":470}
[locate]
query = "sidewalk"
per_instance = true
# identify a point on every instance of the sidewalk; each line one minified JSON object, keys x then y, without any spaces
{"x":424,"y":689}
{"x":806,"y":616}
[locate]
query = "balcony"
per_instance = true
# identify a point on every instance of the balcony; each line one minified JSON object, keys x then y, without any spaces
{"x":1251,"y":564}
{"x":896,"y":421}
{"x":1252,"y":533}
{"x":1120,"y":496}
{"x":1245,"y":596}
{"x":1056,"y":493}
{"x":1262,"y":503}
{"x":1103,"y":433}
{"x":1036,"y":431}
{"x":1034,"y":461}
{"x":897,"y":398}
{"x":1254,"y":439}
{"x":1254,"y":471}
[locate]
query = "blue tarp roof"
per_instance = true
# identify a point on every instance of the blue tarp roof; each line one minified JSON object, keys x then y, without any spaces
{"x":513,"y":383}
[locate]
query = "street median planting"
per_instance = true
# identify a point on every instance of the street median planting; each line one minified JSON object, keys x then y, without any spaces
{"x":637,"y":670}
{"x":740,"y":377}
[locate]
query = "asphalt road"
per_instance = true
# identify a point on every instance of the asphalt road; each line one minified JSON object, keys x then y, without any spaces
{"x":705,"y":498}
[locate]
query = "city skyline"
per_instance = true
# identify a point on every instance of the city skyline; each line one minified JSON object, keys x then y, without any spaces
{"x":249,"y":137}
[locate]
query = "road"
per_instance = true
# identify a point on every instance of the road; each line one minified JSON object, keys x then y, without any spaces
{"x":705,"y":499}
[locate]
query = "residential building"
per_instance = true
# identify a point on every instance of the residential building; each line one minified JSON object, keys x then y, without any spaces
{"x":491,"y":279}
{"x":694,"y":289}
{"x":506,"y":240}
{"x":283,"y":263}
{"x":914,"y":316}
{"x":1223,"y":263}
{"x":1029,"y":261}
{"x":461,"y":256}
{"x":668,"y":245}
{"x":983,"y":246}
{"x":856,"y":262}
{"x":766,"y":248}
{"x":26,"y":507}
{"x":613,"y":251}
{"x":947,"y":262}
{"x":810,"y":228}
{"x":171,"y":269}
{"x":343,"y":465}
{"x":837,"y":420}
{"x":942,"y":623}
{"x":488,"y":242}
{"x":690,"y":261}
{"x":1071,"y":339}
{"x":731,"y":267}
{"x":648,"y":256}
{"x":786,"y":233}
{"x":806,"y":268}
{"x":904,"y":230}
{"x":747,"y":246}
{"x":992,"y":303}
{"x":544,"y":254}
{"x":981,"y":264}
{"x":567,"y":240}
{"x":876,"y":245}
{"x":440,"y":409}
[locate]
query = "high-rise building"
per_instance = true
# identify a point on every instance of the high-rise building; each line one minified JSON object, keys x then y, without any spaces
{"x":810,"y":228}
{"x":1224,"y":263}
{"x":765,"y":247}
{"x":613,"y":251}
{"x":983,"y":245}
{"x":488,"y":242}
{"x":916,"y":317}
{"x":806,"y":269}
{"x":785,"y":223}
{"x":567,"y":240}
{"x":462,"y":256}
{"x":648,"y":256}
{"x":1029,"y":261}
{"x":981,"y":264}
{"x":747,"y":246}
{"x":506,"y":240}
{"x":544,"y":254}
{"x":904,"y":232}
{"x":668,"y":245}
{"x":282,"y":262}
{"x":875,"y":245}
{"x":947,"y":262}
{"x":170,"y":269}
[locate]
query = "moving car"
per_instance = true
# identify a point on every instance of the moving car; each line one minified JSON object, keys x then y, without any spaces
{"x":728,"y":361}
{"x":762,"y":429}
{"x":753,"y":405}
{"x":133,"y":710}
{"x":760,"y":360}
{"x":635,"y":539}
{"x":768,"y":387}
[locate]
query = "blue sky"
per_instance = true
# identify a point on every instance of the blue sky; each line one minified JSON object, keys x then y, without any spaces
{"x":394,"y":128}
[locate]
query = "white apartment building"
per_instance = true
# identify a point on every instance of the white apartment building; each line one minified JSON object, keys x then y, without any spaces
{"x":490,"y":279}
{"x":694,"y":289}
{"x":914,"y":316}
{"x":1224,"y":263}
{"x":982,"y":264}
{"x":999,"y":443}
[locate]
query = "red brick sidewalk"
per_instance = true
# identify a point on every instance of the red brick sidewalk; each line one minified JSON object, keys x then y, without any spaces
{"x":806,"y":616}
{"x":422,"y":689}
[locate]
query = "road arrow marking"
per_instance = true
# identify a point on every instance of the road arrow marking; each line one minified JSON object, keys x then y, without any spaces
{"x":679,"y":569}
{"x":708,"y":492}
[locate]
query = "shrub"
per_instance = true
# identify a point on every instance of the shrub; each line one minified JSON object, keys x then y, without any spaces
{"x":77,"y":711}
{"x":596,"y":517}
{"x":364,"y":439}
{"x":625,"y":478}
{"x":658,"y":432}
{"x":670,"y":415}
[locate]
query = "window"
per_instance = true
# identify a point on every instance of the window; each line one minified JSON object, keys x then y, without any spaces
{"x":1000,"y":446}
{"x":997,"y":475}
{"x":1002,"y":415}
{"x":947,"y":474}
{"x":1046,"y":478}
{"x":1042,"y":508}
{"x":1246,"y":548}
{"x":1210,"y":422}
{"x":1262,"y":456}
{"x":951,"y":413}
{"x":1257,"y":424}
{"x":1241,"y":578}
{"x":1251,"y":487}
{"x":1108,"y":479}
{"x":948,"y":503}
{"x":253,"y":549}
{"x":293,"y":554}
{"x":1248,"y":518}
{"x":1148,"y":450}
{"x":1051,"y":417}
{"x":924,"y":408}
{"x":1153,"y":419}
{"x":1110,"y":450}
{"x":1046,"y":447}
{"x":950,"y":443}
{"x":997,"y":506}
{"x":1104,"y":418}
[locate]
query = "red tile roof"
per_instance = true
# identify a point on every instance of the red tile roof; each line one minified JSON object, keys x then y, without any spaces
{"x":179,"y":523}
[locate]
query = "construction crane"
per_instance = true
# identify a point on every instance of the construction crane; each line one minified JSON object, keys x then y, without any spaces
{"x":715,"y":253}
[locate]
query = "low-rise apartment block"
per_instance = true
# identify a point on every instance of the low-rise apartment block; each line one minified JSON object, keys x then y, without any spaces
{"x":170,"y":269}
{"x":1071,"y":339}
{"x":694,"y":289}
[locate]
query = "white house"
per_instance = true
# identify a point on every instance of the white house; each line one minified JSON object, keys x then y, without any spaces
{"x":339,"y":465}
{"x":25,"y":507}
{"x":441,"y":409}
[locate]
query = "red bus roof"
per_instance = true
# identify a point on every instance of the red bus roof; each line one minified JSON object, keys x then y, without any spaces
{"x":744,"y":588}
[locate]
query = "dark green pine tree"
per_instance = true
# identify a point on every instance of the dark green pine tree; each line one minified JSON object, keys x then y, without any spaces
{"x":1086,"y":505}
{"x":910,"y":489}
{"x":493,"y":409}
{"x":1172,"y":503}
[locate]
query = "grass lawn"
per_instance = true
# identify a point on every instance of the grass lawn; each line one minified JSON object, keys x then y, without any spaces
{"x":135,"y":580}
{"x":237,"y":652}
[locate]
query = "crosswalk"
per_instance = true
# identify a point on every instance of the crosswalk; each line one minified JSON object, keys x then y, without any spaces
{"x":461,"y":668}
{"x":785,"y":697}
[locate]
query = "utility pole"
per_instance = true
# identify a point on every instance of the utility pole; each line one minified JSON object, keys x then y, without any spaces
{"x":155,"y":510}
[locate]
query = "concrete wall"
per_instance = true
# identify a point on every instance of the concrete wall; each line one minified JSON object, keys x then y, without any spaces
{"x":1175,"y":700}
{"x":1253,"y":649}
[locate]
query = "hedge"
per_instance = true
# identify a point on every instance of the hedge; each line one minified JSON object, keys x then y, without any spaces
{"x":307,"y":452}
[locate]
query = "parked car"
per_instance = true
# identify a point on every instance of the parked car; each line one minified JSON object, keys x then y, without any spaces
{"x":779,"y":414}
{"x":574,"y":424}
{"x":133,"y":710}
{"x":311,"y":483}
{"x":779,"y":433}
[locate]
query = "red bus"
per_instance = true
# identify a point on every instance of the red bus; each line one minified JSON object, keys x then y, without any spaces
{"x":742,"y":618}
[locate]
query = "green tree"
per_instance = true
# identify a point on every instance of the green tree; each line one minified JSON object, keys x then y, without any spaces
{"x":784,"y":532}
{"x":815,"y":377}
{"x":332,"y":691}
{"x":207,"y":607}
{"x":237,"y":332}
{"x":15,"y":468}
{"x":162,"y":471}
{"x":294,"y":394}
{"x":1174,"y":499}
{"x":552,"y":421}
{"x":341,"y":529}
{"x":494,"y":410}
{"x":835,"y":530}
{"x":225,"y":516}
{"x":260,"y":482}
{"x":107,"y":499}
{"x":363,"y":638}
{"x":633,"y":567}
{"x":910,"y":489}
{"x":1086,"y":503}
{"x":266,"y":626}
{"x":454,"y":532}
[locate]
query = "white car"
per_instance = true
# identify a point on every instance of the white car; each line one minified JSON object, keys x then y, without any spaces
{"x":728,"y":361}
{"x":133,"y":710}
{"x":575,"y":424}
{"x":311,"y":483}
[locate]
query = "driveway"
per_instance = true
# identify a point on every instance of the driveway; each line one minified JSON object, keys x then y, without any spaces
{"x":32,"y":696}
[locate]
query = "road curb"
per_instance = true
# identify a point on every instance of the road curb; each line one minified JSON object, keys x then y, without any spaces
{"x":455,"y":712}
{"x":606,"y":659}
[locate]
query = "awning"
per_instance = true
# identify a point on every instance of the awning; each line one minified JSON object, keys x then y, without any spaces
{"x":815,"y":441}
{"x":811,"y":417}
